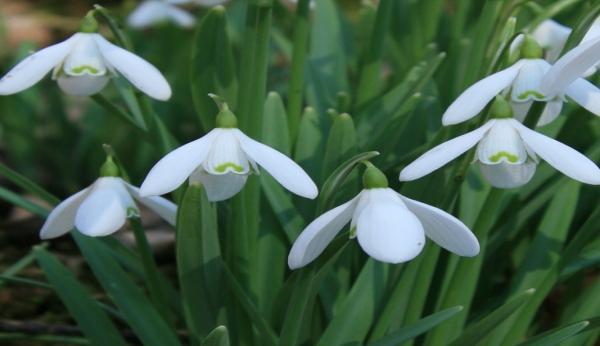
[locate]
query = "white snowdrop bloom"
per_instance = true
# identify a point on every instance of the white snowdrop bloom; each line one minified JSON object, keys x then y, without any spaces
{"x":82,"y":66}
{"x":151,"y":12}
{"x":203,"y":3}
{"x":221,"y":161}
{"x":507,"y":153}
{"x":102,"y":209}
{"x":389,"y":227}
{"x":582,"y":60}
{"x":523,"y":82}
{"x":552,"y":36}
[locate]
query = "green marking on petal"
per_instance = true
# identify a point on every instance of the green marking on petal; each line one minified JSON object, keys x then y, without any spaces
{"x":82,"y":68}
{"x":533,"y":93}
{"x":512,"y":158}
{"x":223,"y":167}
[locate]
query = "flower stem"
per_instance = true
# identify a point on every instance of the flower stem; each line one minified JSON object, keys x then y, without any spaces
{"x":296,"y":86}
{"x":461,"y":282}
{"x":150,"y":269}
{"x":534,"y":114}
{"x":369,"y":81}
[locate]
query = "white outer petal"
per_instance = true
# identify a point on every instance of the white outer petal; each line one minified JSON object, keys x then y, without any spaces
{"x":478,"y":95}
{"x":319,"y":233}
{"x":287,"y":172}
{"x":443,"y":153}
{"x":389,"y":232}
{"x":219,"y":187}
{"x":552,"y":36}
{"x":35,"y":67}
{"x":551,"y":111}
{"x":173,"y":169}
{"x":571,"y":66}
{"x":161,"y":206}
{"x":147,"y":13}
{"x":593,"y":32}
{"x":444,"y":229}
{"x":138,"y":71}
{"x":506,"y":175}
{"x":585,"y":94}
{"x":104,"y":209}
{"x":560,"y":156}
{"x":62,"y":218}
{"x":181,"y":17}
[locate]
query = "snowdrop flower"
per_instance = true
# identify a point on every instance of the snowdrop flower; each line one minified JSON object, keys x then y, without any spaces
{"x":507,"y":153}
{"x":523,"y":81}
{"x":579,"y":61}
{"x":83,"y":65}
{"x":222,"y":161}
{"x":102,"y":208}
{"x":204,"y":3}
{"x":552,"y":36}
{"x":389,"y":227}
{"x":151,"y":12}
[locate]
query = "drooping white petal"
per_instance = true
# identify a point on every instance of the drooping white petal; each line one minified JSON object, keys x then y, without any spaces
{"x":502,"y":143}
{"x":161,"y":206}
{"x":138,"y":71}
{"x":35,"y":67}
{"x":62,"y":218}
{"x":173,"y":169}
{"x":560,"y":156}
{"x":443,"y":153}
{"x":82,"y":85}
{"x":552,"y":36}
{"x":520,"y":109}
{"x":389,"y":232}
{"x":444,"y":229}
{"x":226,"y":155}
{"x":505,"y":175}
{"x":478,"y":95}
{"x":551,"y":111}
{"x":104,"y":209}
{"x":219,"y":187}
{"x":152,"y":12}
{"x":593,"y":32}
{"x":526,"y":86}
{"x":282,"y":168}
{"x":208,"y":3}
{"x":319,"y":233}
{"x":585,"y":94}
{"x":571,"y":66}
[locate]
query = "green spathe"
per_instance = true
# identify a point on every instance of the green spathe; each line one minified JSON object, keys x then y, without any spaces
{"x":531,"y":49}
{"x":501,"y":109}
{"x":89,"y":25}
{"x":225,"y":119}
{"x":373,"y":178}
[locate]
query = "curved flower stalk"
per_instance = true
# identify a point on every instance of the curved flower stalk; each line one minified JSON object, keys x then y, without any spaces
{"x":103,"y":207}
{"x":389,"y":227}
{"x":523,"y":81}
{"x":507,"y":153}
{"x":222,"y":161}
{"x":151,"y":12}
{"x":83,"y":64}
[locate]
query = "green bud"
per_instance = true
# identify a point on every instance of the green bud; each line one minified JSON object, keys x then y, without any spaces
{"x":373,"y":178}
{"x":89,"y":24}
{"x":501,"y":109}
{"x":225,"y":119}
{"x":531,"y":49}
{"x":109,"y":168}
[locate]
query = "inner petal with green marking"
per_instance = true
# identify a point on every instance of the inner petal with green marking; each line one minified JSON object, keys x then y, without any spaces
{"x":530,"y":93}
{"x":497,"y":157}
{"x":224,"y":167}
{"x":83,"y":68}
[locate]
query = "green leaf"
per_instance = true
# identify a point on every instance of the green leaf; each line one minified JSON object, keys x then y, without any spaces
{"x":560,"y":334}
{"x":416,"y":329}
{"x":94,"y":323}
{"x":353,"y":320}
{"x":21,"y":202}
{"x":131,"y":301}
{"x":476,"y":331}
{"x":26,"y":184}
{"x":310,"y":144}
{"x":218,"y":337}
{"x":337,"y":179}
{"x":198,"y":255}
{"x":341,"y":143}
{"x":212,"y":68}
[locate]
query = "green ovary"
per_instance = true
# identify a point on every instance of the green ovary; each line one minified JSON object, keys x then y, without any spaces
{"x":83,"y":68}
{"x":533,"y":93}
{"x":223,"y":167}
{"x":499,"y":155}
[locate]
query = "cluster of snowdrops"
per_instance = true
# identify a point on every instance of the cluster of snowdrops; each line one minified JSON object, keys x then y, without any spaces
{"x":389,"y":227}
